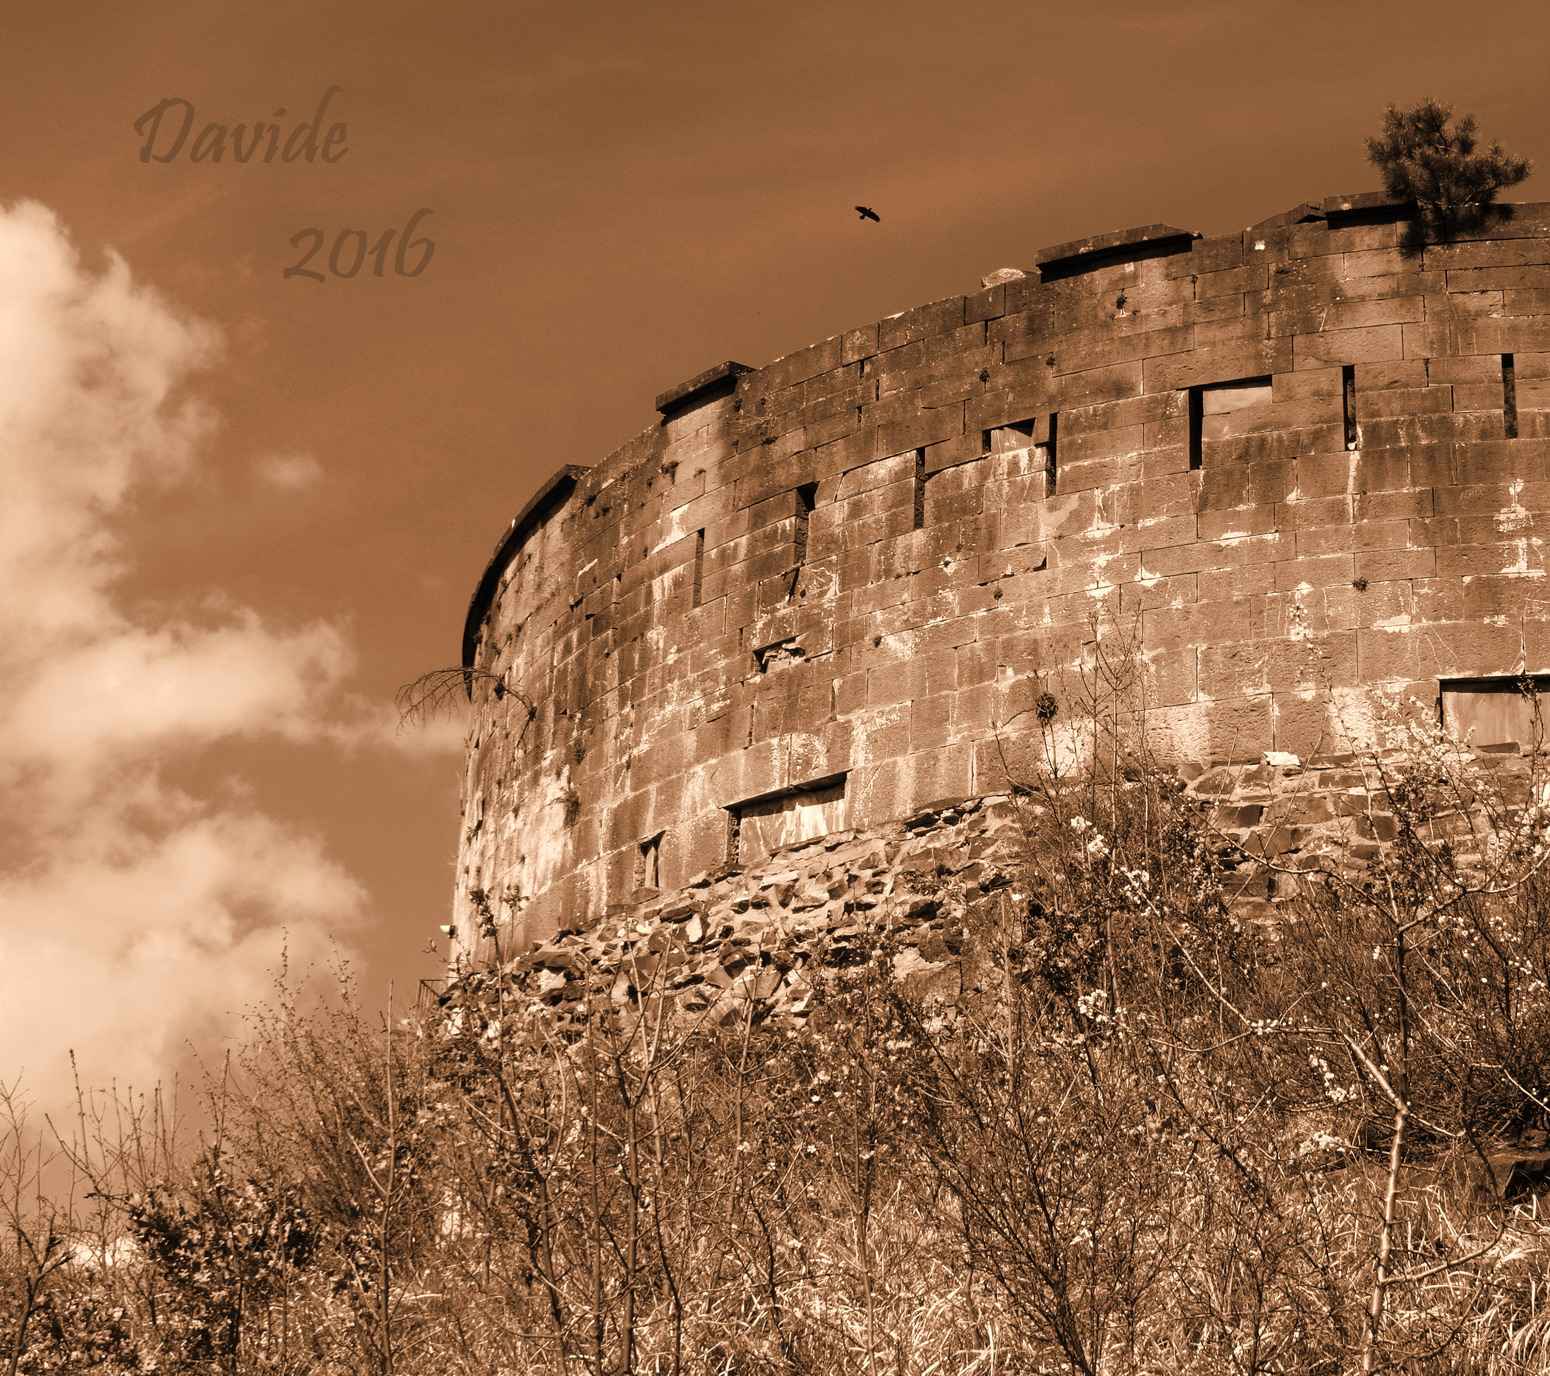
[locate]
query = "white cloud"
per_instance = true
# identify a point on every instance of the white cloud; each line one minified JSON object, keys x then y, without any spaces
{"x":292,"y":471}
{"x":89,"y":367}
{"x":138,"y":935}
{"x":133,"y":914}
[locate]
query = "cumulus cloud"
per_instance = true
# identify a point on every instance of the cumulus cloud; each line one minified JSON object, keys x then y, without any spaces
{"x":135,"y":914}
{"x":149,"y":928}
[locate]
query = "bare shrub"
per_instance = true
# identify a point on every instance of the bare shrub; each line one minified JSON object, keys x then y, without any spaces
{"x":1139,"y":1135}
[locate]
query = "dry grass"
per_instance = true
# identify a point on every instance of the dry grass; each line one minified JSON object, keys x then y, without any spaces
{"x":1154,"y":1141}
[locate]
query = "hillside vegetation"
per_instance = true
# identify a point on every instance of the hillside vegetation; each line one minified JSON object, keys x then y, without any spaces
{"x":1143,"y":1137}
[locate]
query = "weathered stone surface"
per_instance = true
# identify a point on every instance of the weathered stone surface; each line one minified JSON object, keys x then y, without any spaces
{"x":753,"y":940}
{"x":916,"y":521}
{"x":928,"y":875}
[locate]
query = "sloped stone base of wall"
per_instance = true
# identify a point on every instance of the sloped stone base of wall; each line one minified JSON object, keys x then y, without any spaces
{"x":761,"y":932}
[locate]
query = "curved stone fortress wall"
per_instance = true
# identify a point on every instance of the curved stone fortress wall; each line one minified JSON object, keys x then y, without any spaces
{"x":1310,"y":459}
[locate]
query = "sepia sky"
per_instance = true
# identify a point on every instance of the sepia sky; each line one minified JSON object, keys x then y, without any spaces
{"x":240,"y":509}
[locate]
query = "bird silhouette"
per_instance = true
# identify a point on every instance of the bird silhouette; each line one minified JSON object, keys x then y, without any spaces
{"x":867,"y":213}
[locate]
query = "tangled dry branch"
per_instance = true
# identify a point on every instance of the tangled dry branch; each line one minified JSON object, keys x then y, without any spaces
{"x":439,"y":692}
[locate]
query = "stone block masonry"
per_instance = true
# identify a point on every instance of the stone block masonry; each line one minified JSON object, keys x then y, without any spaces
{"x":814,"y":597}
{"x":755,"y":938}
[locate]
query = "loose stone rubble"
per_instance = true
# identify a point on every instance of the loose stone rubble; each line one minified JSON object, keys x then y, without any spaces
{"x":762,"y":933}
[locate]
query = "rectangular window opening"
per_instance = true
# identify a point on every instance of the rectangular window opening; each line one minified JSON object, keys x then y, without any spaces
{"x":778,"y":654}
{"x":1497,"y":713}
{"x":1015,"y":434}
{"x":1219,"y":401}
{"x":760,"y":826}
{"x":1348,"y":403}
{"x":1510,"y":396}
{"x":648,"y":865}
{"x":1025,"y":434}
{"x":920,"y":486}
{"x":699,"y":569}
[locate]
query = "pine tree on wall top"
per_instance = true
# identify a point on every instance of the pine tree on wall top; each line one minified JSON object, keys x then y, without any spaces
{"x":1438,"y":169}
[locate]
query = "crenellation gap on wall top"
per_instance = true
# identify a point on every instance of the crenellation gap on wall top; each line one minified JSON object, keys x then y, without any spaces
{"x":715,"y":382}
{"x":1077,"y":256}
{"x":1365,"y":208}
{"x":1303,"y":213}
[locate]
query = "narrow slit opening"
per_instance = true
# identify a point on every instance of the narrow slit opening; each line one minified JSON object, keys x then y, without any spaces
{"x":699,"y":569}
{"x":648,"y":867}
{"x":1051,"y":469}
{"x":1348,"y":403}
{"x":1510,"y":396}
{"x":807,"y":497}
{"x":1196,"y":427}
{"x":920,"y":485}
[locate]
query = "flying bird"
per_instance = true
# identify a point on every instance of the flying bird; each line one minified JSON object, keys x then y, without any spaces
{"x":867,"y":213}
